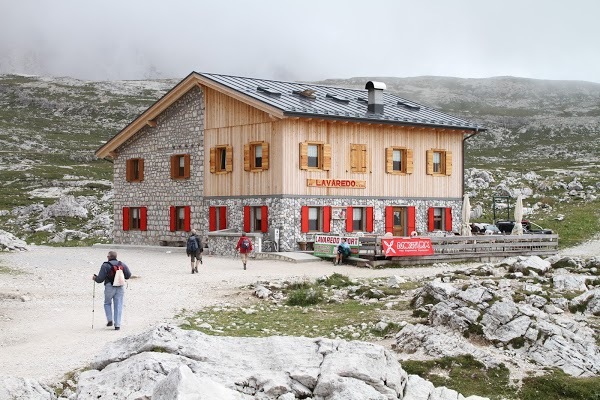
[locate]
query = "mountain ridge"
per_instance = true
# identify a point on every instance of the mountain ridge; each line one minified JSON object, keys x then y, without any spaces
{"x":51,"y":127}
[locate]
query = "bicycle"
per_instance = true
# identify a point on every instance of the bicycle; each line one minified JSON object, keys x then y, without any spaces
{"x":270,"y":246}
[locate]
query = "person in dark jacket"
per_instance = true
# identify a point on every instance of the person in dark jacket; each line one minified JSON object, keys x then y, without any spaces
{"x":195,"y":256}
{"x":113,"y":295}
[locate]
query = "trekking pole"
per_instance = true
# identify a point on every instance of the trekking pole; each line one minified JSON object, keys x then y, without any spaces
{"x":93,"y":303}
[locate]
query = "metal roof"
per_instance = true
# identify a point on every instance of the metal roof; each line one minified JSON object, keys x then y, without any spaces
{"x":338,"y":103}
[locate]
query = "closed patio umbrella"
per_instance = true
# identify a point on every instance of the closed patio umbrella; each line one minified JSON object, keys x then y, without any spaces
{"x":518,"y":228}
{"x":465,"y":229}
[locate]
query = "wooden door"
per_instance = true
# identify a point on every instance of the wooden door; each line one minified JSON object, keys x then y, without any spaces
{"x":399,"y":227}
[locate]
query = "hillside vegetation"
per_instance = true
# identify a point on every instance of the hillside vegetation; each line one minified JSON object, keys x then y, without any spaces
{"x":542,"y":141}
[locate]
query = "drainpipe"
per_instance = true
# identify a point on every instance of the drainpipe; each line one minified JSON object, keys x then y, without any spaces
{"x":462,"y":177}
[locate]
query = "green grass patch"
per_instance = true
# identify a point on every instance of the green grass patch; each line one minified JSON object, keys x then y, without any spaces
{"x":465,"y":375}
{"x":270,"y":320}
{"x":337,"y":280}
{"x":581,"y":224}
{"x":305,"y":297}
{"x":4,"y":270}
{"x":559,"y":386}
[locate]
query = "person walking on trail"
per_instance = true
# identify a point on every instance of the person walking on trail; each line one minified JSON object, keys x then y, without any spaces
{"x":113,"y":294}
{"x":244,"y":246}
{"x":194,"y":251}
{"x":343,"y":251}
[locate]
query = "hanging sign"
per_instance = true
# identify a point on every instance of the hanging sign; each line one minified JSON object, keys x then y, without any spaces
{"x":337,"y":183}
{"x":401,"y":247}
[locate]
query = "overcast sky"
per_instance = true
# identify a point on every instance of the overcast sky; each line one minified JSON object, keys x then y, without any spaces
{"x":301,"y":39}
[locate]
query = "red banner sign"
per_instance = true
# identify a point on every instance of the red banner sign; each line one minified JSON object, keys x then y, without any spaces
{"x":399,"y":247}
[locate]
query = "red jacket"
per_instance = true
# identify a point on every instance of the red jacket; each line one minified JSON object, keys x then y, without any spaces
{"x":239,"y":245}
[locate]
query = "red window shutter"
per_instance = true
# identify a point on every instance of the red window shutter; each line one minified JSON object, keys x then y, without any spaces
{"x":327,"y":219}
{"x":173,"y":222}
{"x":349,"y":221}
{"x":143,"y":218}
{"x":430,"y":225}
{"x":448,"y":219}
{"x":212,"y":219}
{"x":369,"y":227}
{"x":411,"y":222}
{"x":187,"y":215}
{"x":304,"y":219}
{"x":222,"y":217}
{"x":264,"y":210}
{"x":389,"y":219}
{"x":246,"y":218}
{"x":125,"y":218}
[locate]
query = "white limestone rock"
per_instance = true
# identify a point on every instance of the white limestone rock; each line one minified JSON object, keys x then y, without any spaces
{"x":532,"y":263}
{"x":395,"y":281}
{"x":271,"y":367}
{"x":12,"y":387}
{"x":438,"y":290}
{"x":9,"y":242}
{"x":418,"y":388}
{"x":440,"y":342}
{"x":182,"y":384}
{"x":262,"y":292}
{"x":589,"y":300}
{"x":570,"y":283}
{"x":65,"y":206}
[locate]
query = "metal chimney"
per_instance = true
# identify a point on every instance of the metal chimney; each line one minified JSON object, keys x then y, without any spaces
{"x":375,"y":96}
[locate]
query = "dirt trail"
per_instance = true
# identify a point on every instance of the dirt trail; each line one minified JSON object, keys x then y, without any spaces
{"x":50,"y":333}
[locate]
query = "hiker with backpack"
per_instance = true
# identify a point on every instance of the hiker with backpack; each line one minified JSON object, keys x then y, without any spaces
{"x":194,"y":250}
{"x":244,"y":246}
{"x":113,"y":273}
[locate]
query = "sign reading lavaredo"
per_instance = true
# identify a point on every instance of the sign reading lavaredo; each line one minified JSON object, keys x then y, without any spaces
{"x":398,"y":247}
{"x":337,"y":183}
{"x":327,"y":245}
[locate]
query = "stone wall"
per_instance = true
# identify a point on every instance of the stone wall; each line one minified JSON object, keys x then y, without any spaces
{"x":284,"y":213}
{"x":179,"y":130}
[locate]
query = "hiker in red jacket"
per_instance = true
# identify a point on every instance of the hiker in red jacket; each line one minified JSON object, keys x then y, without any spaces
{"x":244,"y":246}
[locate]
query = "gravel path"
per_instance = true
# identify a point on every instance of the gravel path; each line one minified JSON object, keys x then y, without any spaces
{"x":50,"y":333}
{"x":46,"y":311}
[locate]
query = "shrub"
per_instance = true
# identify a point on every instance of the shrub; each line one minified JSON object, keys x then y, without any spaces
{"x":337,"y":280}
{"x":305,"y":297}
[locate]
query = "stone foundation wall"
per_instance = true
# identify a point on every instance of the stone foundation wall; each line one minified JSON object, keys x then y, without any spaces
{"x":284,"y":213}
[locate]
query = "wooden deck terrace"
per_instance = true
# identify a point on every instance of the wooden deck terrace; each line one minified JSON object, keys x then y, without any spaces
{"x":460,"y":248}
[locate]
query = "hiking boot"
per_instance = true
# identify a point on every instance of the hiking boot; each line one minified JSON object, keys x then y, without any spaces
{"x":109,"y":323}
{"x":244,"y":265}
{"x":196,"y":269}
{"x":117,"y":328}
{"x":192,"y":270}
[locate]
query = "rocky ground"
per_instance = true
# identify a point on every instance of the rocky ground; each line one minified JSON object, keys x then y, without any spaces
{"x":530,"y":312}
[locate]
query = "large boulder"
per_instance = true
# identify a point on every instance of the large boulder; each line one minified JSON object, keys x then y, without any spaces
{"x":570,"y":283}
{"x":9,"y":242}
{"x":12,"y":387}
{"x":263,"y":368}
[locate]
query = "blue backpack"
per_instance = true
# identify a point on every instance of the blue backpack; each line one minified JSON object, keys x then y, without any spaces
{"x":192,"y":244}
